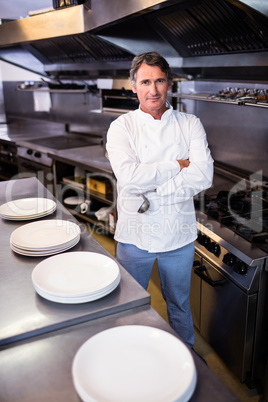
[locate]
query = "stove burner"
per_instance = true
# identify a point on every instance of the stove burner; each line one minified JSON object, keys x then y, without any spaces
{"x":227,"y":220}
{"x":243,"y":212}
{"x":213,"y":212}
{"x":259,"y":237}
{"x":237,"y":202}
{"x":244,"y":231}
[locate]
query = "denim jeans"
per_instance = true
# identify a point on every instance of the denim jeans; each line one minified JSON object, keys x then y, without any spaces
{"x":174,"y":269}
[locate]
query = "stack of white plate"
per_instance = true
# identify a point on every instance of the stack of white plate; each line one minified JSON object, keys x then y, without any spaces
{"x":76,"y":277}
{"x":134,"y":363}
{"x":27,"y":209}
{"x":44,"y":238}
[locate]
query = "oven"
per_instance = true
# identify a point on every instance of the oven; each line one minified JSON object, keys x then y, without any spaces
{"x":35,"y":163}
{"x":8,"y":160}
{"x":35,"y":160}
{"x":229,"y":330}
{"x":229,"y":289}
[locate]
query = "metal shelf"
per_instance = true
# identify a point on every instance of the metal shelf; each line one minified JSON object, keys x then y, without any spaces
{"x":104,"y":226}
{"x":73,"y":91}
{"x":107,"y":199}
{"x":207,"y":98}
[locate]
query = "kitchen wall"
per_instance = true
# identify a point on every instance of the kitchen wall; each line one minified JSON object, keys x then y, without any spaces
{"x":2,"y":104}
{"x":10,"y":74}
{"x":237,"y":134}
{"x":81,"y":109}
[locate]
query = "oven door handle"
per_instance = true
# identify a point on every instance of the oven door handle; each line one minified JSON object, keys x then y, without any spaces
{"x":200,"y":272}
{"x":29,"y":166}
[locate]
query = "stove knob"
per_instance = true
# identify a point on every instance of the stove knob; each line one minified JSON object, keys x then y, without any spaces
{"x":214,"y":248}
{"x":240,"y":267}
{"x":204,"y":240}
{"x":200,"y":238}
{"x":229,"y":259}
{"x":207,"y":242}
{"x":37,"y":154}
{"x":29,"y":151}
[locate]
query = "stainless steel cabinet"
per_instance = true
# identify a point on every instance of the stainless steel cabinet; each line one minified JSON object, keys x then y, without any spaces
{"x":224,"y":315}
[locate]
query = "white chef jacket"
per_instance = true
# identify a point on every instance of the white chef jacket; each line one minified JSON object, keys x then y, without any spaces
{"x":143,"y":153}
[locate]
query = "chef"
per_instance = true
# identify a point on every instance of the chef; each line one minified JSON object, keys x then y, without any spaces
{"x":161,"y":159}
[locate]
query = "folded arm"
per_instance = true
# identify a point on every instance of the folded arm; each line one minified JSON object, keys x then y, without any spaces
{"x":192,"y":179}
{"x":133,"y":175}
{"x":173,"y":180}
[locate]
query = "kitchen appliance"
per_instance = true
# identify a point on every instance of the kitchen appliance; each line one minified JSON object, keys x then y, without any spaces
{"x":35,"y":163}
{"x":229,"y":295}
{"x":33,"y":160}
{"x":8,"y":160}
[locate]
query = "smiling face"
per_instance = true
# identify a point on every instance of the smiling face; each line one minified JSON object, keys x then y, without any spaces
{"x":151,"y":88}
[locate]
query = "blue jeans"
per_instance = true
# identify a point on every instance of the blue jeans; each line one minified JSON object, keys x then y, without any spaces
{"x":174,"y":269}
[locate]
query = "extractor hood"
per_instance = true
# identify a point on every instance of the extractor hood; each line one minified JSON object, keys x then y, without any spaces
{"x":200,"y":38}
{"x":63,"y":42}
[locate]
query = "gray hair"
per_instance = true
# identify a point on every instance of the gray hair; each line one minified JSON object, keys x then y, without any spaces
{"x":152,"y":59}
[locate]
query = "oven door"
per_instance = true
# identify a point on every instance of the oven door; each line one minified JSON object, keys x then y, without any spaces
{"x":195,"y":295}
{"x":8,"y":161}
{"x":28,"y":168}
{"x":227,"y":317}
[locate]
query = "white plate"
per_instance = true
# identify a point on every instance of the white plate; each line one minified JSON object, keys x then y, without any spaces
{"x":46,"y":249}
{"x":87,"y":296}
{"x":79,"y":273}
{"x":29,"y":217}
{"x":78,"y":299}
{"x":27,"y":208}
{"x":134,"y":363}
{"x":74,"y":200}
{"x":45,"y":253}
{"x":44,"y":235}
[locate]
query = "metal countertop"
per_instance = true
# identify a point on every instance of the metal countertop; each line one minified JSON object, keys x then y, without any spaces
{"x":20,"y":129}
{"x":23,"y":312}
{"x":24,"y":132}
{"x":40,"y":369}
{"x":39,"y":338}
{"x":88,"y":158}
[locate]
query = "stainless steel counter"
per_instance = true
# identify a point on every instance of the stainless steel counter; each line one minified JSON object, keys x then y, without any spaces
{"x":39,"y":338}
{"x":40,"y":369}
{"x":26,"y":129}
{"x":23,"y":312}
{"x":25,"y":132}
{"x":87,"y":158}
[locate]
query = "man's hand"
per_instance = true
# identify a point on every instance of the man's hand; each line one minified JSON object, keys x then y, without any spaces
{"x":183,"y":163}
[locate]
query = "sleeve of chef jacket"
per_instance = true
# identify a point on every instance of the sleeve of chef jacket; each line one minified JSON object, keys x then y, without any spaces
{"x":197,"y":176}
{"x":135,"y":177}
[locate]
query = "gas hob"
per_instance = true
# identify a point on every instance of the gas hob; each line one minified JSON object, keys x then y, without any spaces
{"x":234,"y":213}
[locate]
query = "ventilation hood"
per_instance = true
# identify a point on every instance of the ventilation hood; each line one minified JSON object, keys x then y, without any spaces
{"x":199,"y":38}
